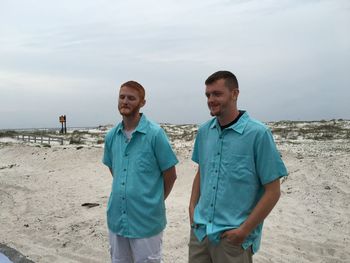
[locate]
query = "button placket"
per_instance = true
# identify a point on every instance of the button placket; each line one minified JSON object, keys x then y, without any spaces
{"x":215,"y":180}
{"x":123,"y":196}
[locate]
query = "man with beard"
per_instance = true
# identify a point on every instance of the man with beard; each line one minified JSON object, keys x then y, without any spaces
{"x":237,"y":182}
{"x":142,"y":164}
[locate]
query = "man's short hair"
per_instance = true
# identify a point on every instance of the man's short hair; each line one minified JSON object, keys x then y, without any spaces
{"x":230,"y":79}
{"x":136,"y":86}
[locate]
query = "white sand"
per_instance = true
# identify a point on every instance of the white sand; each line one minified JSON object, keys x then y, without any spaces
{"x":42,"y":189}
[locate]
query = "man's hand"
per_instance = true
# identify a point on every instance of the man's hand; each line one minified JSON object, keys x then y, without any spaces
{"x":235,"y":236}
{"x":261,"y":210}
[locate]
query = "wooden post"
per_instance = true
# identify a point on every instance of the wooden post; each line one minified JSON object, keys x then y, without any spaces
{"x":65,"y":124}
{"x":62,"y":120}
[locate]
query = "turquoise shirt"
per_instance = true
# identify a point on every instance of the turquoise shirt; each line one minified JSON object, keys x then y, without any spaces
{"x":235,"y":164}
{"x":136,"y":206}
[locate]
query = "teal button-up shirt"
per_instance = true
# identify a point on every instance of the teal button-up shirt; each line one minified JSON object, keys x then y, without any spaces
{"x":235,"y":164}
{"x":136,"y":206}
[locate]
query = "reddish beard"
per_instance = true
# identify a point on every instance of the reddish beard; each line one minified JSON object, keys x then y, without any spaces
{"x":126,"y":110}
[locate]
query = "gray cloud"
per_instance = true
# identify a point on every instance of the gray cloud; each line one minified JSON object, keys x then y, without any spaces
{"x":69,"y":57}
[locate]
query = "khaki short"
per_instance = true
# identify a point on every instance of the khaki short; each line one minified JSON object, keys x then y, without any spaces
{"x":224,"y":252}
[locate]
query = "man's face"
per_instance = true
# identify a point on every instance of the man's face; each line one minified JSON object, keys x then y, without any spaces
{"x":221,"y":100}
{"x":129,"y":102}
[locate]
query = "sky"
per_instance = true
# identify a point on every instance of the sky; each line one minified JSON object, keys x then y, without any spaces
{"x":291,"y":58}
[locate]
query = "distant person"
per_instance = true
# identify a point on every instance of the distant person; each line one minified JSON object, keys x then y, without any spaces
{"x":237,"y":182}
{"x":142,"y":163}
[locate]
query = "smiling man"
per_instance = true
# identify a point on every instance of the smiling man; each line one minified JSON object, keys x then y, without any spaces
{"x":237,"y":182}
{"x":142,"y":163}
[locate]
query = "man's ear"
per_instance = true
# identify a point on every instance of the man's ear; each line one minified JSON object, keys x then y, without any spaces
{"x":143,"y":103}
{"x":235,"y":94}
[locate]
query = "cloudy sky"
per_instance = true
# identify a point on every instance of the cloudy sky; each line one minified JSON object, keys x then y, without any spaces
{"x":292,"y":58}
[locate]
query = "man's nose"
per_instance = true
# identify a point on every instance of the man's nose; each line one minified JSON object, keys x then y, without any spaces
{"x":125,"y":100}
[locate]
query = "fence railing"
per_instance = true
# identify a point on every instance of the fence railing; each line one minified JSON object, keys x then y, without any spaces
{"x":39,"y":139}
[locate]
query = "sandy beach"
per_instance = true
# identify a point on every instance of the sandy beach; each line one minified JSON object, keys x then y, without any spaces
{"x":42,"y":190}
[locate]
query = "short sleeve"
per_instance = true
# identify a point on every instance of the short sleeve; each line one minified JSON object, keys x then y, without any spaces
{"x":269,"y":165}
{"x":195,"y":156}
{"x":107,"y":158}
{"x":166,"y":158}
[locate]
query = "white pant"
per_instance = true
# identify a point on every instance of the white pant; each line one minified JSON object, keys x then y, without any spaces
{"x":135,"y":250}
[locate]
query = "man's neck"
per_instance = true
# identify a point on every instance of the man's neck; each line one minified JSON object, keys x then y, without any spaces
{"x":131,"y":122}
{"x":224,"y":120}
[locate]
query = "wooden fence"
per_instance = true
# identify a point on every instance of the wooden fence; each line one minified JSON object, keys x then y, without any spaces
{"x":39,"y":139}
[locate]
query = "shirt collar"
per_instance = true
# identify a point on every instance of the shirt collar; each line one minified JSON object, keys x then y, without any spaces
{"x":239,"y":126}
{"x":141,"y":126}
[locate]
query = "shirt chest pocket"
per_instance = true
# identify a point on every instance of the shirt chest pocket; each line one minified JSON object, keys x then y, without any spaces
{"x":239,"y":168}
{"x":145,"y":162}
